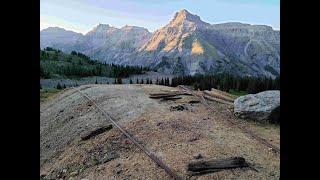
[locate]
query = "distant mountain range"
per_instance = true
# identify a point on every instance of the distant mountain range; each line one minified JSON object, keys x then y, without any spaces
{"x":187,"y":45}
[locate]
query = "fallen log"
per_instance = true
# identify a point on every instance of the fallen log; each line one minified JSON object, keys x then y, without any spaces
{"x":170,"y":98}
{"x":161,"y":95}
{"x":211,"y":166}
{"x":217,"y":95}
{"x":217,"y":100}
{"x":223,"y":93}
{"x":193,"y":101}
{"x":95,"y":132}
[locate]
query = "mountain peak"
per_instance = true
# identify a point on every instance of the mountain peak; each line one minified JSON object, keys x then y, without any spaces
{"x":185,"y":16}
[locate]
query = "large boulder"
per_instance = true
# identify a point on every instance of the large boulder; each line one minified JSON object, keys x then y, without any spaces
{"x":264,"y":106}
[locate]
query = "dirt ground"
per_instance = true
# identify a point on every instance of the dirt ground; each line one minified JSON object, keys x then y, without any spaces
{"x":176,"y":137}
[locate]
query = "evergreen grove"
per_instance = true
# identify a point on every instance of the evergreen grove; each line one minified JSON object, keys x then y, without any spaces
{"x":227,"y":82}
{"x":56,"y":63}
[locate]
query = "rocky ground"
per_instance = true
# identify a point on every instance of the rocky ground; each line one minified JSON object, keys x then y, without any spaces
{"x":176,"y":135}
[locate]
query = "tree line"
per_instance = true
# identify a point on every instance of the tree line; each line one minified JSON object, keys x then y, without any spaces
{"x":54,"y":62}
{"x":227,"y":82}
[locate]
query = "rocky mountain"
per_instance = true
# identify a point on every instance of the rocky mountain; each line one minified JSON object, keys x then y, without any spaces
{"x":187,"y":45}
{"x":58,"y":37}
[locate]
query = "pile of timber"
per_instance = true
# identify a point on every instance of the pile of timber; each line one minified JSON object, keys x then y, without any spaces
{"x":211,"y":166}
{"x":219,"y":96}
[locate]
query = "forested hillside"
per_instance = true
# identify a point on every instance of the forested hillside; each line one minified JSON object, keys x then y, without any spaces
{"x":54,"y":63}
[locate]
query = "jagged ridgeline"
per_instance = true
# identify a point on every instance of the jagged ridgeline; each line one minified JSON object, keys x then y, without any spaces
{"x":185,"y":46}
{"x":55,"y":63}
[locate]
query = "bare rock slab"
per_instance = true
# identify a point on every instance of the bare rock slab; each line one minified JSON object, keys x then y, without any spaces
{"x":263,"y":106}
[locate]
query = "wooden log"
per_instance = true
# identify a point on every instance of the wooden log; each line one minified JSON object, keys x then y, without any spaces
{"x":223,"y":93}
{"x":220,"y":96}
{"x":217,"y":100}
{"x":194,"y":101}
{"x":210,"y":166}
{"x":162,"y":96}
{"x":170,"y":98}
{"x":95,"y":132}
{"x":165,"y":95}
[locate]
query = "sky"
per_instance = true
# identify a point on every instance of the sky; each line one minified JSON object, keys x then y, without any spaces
{"x":82,"y":15}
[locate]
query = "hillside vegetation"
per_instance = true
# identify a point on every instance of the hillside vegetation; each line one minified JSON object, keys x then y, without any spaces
{"x":54,"y":63}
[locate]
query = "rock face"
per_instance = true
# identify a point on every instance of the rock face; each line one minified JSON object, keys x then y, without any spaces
{"x":264,"y":106}
{"x":186,"y":45}
{"x":58,"y":38}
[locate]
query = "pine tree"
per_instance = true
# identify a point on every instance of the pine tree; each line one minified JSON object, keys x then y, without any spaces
{"x":59,"y":86}
{"x":141,"y":82}
{"x":96,"y":81}
{"x":131,"y":81}
{"x":119,"y":81}
{"x":115,"y":81}
{"x":157,"y":82}
{"x":64,"y":86}
{"x":147,"y":82}
{"x":137,"y":82}
{"x":162,"y":81}
{"x":151,"y":81}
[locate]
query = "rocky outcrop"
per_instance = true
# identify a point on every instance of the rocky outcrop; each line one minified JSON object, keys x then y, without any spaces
{"x":264,"y":106}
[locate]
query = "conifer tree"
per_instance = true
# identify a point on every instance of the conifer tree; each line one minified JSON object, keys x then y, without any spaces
{"x":131,"y":81}
{"x":59,"y":86}
{"x":119,"y":81}
{"x":137,"y":82}
{"x":162,"y":81}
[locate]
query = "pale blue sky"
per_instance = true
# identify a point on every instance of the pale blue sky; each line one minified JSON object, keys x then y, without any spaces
{"x":83,"y":15}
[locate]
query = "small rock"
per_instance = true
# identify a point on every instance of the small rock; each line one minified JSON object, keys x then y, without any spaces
{"x":64,"y":170}
{"x":74,"y":173}
{"x":199,"y":156}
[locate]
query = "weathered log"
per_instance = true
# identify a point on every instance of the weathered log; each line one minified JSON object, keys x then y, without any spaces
{"x":96,"y":132}
{"x":220,"y":96}
{"x":193,"y":101}
{"x":223,"y":93}
{"x":210,"y":166}
{"x":162,"y":95}
{"x":170,"y":98}
{"x":217,"y":100}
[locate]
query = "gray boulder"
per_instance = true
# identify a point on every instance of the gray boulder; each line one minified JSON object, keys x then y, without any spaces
{"x":264,"y":106}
